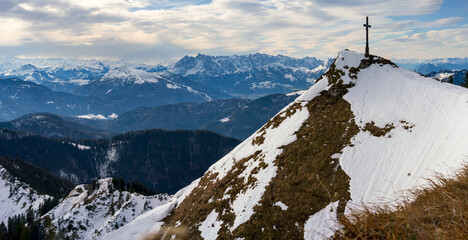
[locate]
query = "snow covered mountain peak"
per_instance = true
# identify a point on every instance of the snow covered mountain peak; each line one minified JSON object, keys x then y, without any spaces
{"x":16,"y":197}
{"x":95,"y":209}
{"x":215,"y":65}
{"x":129,"y":75}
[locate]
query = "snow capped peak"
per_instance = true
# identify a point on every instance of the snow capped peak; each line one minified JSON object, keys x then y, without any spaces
{"x":127,"y":74}
{"x":28,"y":67}
{"x":96,"y":209}
{"x":20,"y":71}
{"x":214,"y":65}
{"x":16,"y":197}
{"x":350,"y":58}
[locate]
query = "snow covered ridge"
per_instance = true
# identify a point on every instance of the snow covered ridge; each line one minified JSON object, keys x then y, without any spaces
{"x":366,"y":131}
{"x":213,"y":65}
{"x":16,"y":197}
{"x":98,"y":116}
{"x":126,"y":74}
{"x":71,"y":74}
{"x":91,"y":211}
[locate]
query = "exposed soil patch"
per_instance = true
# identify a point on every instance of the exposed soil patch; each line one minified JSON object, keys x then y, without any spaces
{"x":378,"y":131}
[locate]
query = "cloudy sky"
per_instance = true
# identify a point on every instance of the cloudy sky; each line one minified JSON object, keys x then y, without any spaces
{"x":173,"y":28}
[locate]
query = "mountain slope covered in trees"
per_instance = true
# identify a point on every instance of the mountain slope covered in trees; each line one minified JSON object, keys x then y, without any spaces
{"x":50,"y":125}
{"x":237,"y":118}
{"x":163,"y":160}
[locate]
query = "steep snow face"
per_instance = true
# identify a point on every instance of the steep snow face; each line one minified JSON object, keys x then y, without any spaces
{"x":429,"y":135}
{"x":16,"y":197}
{"x":402,"y":127}
{"x":87,"y":213}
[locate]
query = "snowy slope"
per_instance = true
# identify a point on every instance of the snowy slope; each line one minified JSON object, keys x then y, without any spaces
{"x":16,"y":197}
{"x":364,"y":132}
{"x":87,"y":213}
{"x":436,"y":114}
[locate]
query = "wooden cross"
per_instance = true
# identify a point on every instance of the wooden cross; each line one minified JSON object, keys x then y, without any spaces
{"x":367,"y":35}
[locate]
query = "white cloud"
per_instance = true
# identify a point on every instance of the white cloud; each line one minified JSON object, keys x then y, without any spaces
{"x":14,"y":32}
{"x":293,"y":27}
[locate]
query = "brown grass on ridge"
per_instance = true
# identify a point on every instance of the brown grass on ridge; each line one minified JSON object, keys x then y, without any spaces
{"x":439,"y":211}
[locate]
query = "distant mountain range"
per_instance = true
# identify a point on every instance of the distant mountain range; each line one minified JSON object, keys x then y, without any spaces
{"x":102,"y":90}
{"x":105,"y":88}
{"x":433,"y":65}
{"x":18,"y":97}
{"x":62,"y":78}
{"x":163,"y":160}
{"x":236,"y":118}
{"x":252,"y":75}
{"x":131,"y":88}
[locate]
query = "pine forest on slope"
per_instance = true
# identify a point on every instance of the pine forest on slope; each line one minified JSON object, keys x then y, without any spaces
{"x":163,"y":160}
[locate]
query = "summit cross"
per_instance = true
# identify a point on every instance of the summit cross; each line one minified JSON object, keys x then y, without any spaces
{"x":367,"y":35}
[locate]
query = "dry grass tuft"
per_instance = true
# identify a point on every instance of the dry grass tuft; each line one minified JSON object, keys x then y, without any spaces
{"x":439,"y":211}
